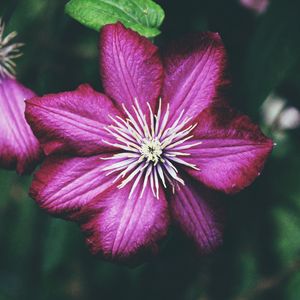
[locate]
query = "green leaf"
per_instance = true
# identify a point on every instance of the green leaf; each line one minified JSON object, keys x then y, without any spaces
{"x":273,"y":52}
{"x":287,"y":242}
{"x":292,"y":289}
{"x":143,"y":16}
{"x":56,"y":244}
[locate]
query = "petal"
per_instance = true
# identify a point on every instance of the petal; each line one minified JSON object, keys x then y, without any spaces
{"x":199,"y":215}
{"x":64,"y":185}
{"x":72,"y":122}
{"x":19,"y":149}
{"x":122,"y":227}
{"x":259,"y":6}
{"x":194,"y":73}
{"x":232,"y":152}
{"x":130,"y":67}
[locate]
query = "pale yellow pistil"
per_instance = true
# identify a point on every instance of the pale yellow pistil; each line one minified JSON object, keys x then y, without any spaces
{"x":151,"y":150}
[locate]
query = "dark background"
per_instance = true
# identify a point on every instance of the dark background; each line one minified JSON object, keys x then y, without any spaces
{"x":46,"y":258}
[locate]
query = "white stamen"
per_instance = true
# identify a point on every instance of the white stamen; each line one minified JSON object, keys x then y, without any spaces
{"x":164,"y":122}
{"x":130,"y":177}
{"x":120,"y":146}
{"x":119,"y":164}
{"x":188,"y":146}
{"x":179,"y":142}
{"x":180,"y":161}
{"x":173,"y":153}
{"x":157,"y":117}
{"x":123,"y":133}
{"x":132,"y":120}
{"x":149,"y":152}
{"x":135,"y":184}
{"x":8,"y":52}
{"x":148,"y":172}
{"x":156,"y":182}
{"x":129,"y":168}
{"x":161,"y":175}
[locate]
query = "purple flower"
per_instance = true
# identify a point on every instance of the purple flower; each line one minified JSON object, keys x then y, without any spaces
{"x":125,"y":163}
{"x":19,"y":149}
{"x":259,"y":6}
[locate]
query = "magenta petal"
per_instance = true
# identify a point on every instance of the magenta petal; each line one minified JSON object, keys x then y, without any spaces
{"x":121,"y":227}
{"x":72,"y":122}
{"x":130,"y":67}
{"x":199,"y":215}
{"x":64,"y":185}
{"x":232,"y":152}
{"x":194,"y":73}
{"x":259,"y":6}
{"x":18,"y":146}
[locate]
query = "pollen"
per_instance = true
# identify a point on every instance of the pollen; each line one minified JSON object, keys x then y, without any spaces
{"x":151,"y":150}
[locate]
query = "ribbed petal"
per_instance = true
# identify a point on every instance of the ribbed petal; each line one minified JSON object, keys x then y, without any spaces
{"x":123,"y":228}
{"x":199,"y":215}
{"x":194,"y":73}
{"x":232,"y":152}
{"x":64,"y":185}
{"x":72,"y":122}
{"x":19,"y":149}
{"x":130,"y":67}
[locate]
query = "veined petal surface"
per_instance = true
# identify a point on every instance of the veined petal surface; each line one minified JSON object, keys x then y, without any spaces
{"x":194,"y":73}
{"x":199,"y":215}
{"x":231,"y":151}
{"x":62,"y":186}
{"x":122,"y":227}
{"x":19,"y":149}
{"x":72,"y":122}
{"x":130,"y":67}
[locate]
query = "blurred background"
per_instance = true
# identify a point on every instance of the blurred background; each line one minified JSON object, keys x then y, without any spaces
{"x":46,"y":258}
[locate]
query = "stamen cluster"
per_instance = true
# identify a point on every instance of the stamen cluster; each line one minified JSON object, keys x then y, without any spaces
{"x":150,"y":153}
{"x":8,"y":52}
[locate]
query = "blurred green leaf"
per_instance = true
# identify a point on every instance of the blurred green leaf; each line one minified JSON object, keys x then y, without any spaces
{"x":274,"y":50}
{"x":286,"y":212}
{"x":56,"y":244}
{"x":293,"y":288}
{"x":287,"y":242}
{"x":248,"y":271}
{"x":143,"y":16}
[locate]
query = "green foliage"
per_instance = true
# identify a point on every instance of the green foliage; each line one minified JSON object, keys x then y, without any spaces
{"x":293,"y":288}
{"x":56,"y":244}
{"x":273,"y":51}
{"x":143,"y":16}
{"x":287,"y":242}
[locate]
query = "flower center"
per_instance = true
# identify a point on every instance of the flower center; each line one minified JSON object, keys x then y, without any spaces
{"x":150,"y":152}
{"x":8,"y":52}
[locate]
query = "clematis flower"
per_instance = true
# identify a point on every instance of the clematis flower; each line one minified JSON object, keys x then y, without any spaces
{"x":19,"y":149}
{"x":258,"y":6}
{"x":125,"y":163}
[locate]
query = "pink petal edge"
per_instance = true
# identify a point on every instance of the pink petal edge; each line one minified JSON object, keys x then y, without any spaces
{"x":194,"y":74}
{"x":199,"y":214}
{"x":130,"y":67}
{"x":123,"y":229}
{"x":232,"y":152}
{"x":19,"y":149}
{"x":65,"y":185}
{"x":72,"y":122}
